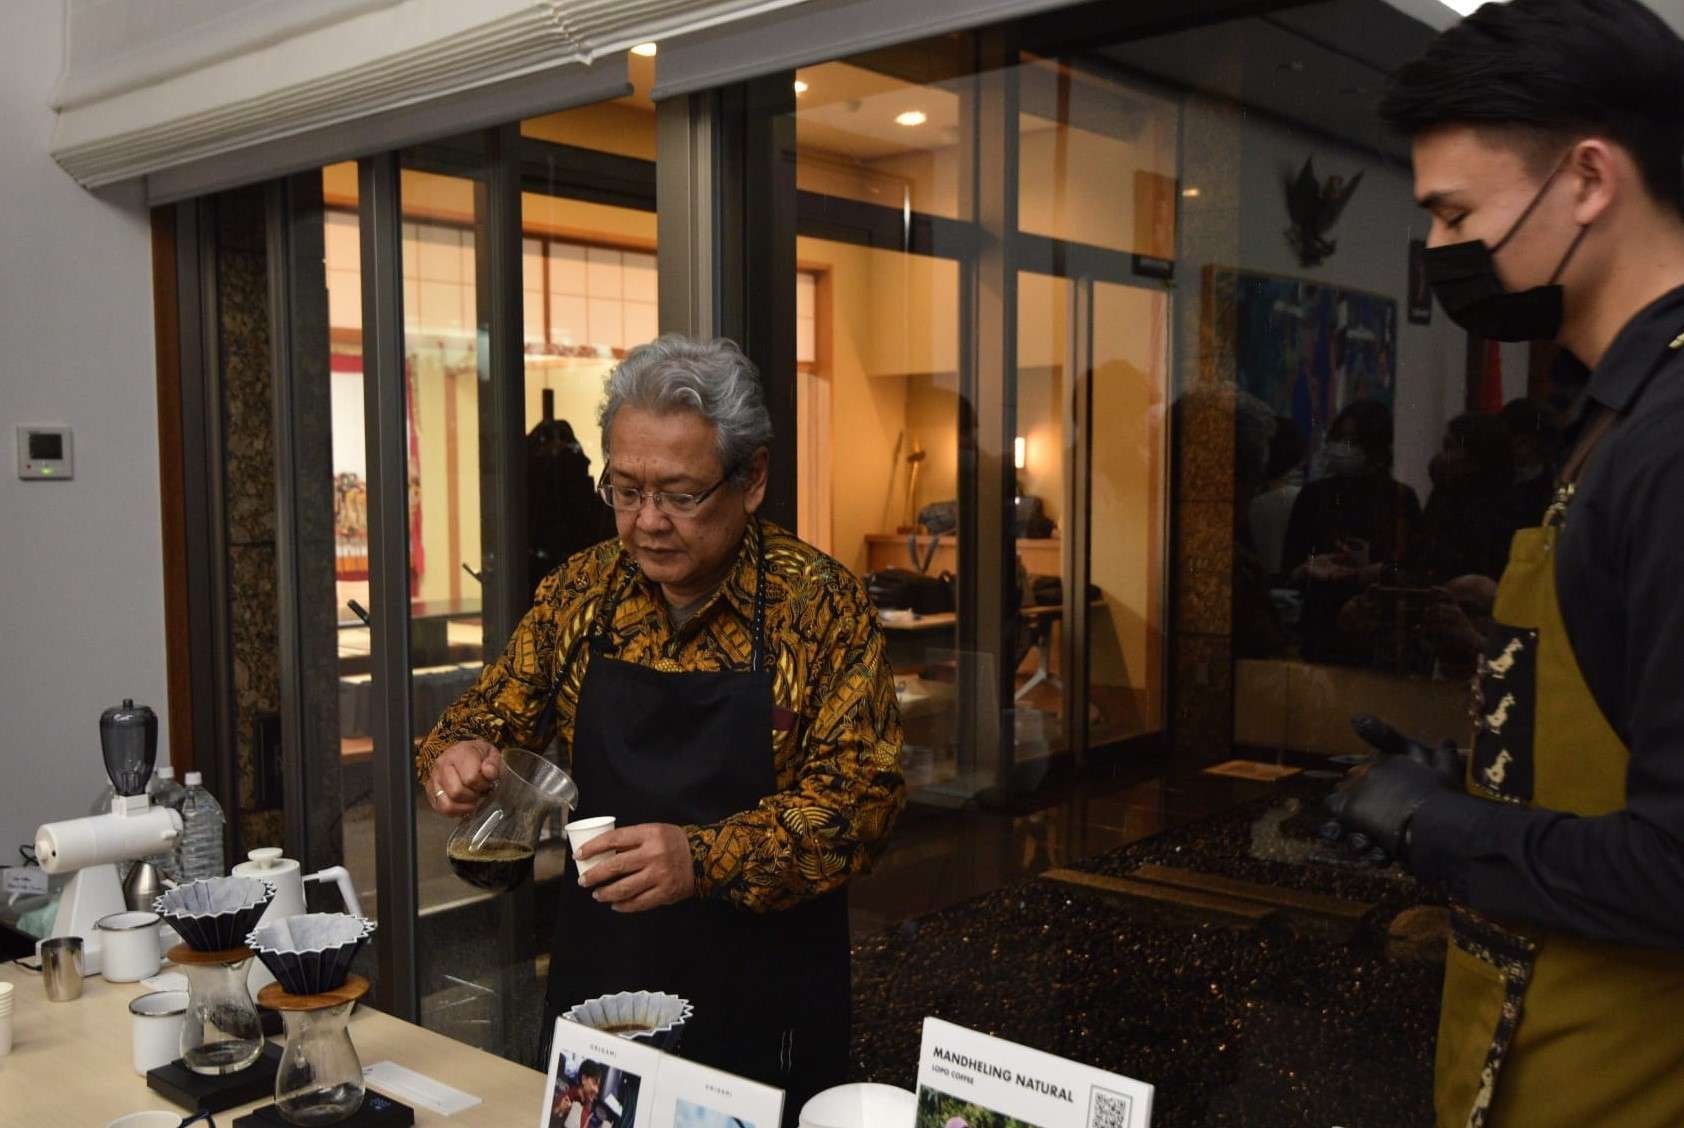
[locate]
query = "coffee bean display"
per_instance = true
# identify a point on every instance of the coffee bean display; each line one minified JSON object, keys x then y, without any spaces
{"x":1269,"y":1024}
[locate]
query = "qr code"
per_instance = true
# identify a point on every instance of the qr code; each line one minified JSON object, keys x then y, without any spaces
{"x":1109,"y":1110}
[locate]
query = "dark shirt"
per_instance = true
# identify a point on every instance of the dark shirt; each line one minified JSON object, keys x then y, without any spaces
{"x":1620,"y":579}
{"x":1466,"y":529}
{"x":1527,"y":501}
{"x":1373,"y":508}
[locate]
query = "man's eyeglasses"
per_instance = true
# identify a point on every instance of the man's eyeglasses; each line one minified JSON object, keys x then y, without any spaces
{"x":629,"y":499}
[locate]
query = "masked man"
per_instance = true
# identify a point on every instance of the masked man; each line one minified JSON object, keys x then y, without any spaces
{"x":1549,"y":149}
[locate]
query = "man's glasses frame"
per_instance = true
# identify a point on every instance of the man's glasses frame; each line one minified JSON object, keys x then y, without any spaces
{"x":629,"y":499}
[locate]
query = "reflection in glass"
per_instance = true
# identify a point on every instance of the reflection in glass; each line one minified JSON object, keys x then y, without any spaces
{"x":909,"y":198}
{"x":867,"y":135}
{"x":347,"y":778}
{"x":1128,"y":489}
{"x":1043,"y":457}
{"x":1096,"y":160}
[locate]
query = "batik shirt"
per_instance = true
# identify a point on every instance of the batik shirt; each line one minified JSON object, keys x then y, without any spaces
{"x":836,"y":735}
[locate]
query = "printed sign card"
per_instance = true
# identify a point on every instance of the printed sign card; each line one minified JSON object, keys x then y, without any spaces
{"x":694,"y":1096}
{"x":971,"y":1080}
{"x":600,"y":1080}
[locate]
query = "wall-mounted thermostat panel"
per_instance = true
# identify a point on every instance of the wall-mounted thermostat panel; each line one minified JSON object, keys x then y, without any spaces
{"x":45,"y":452}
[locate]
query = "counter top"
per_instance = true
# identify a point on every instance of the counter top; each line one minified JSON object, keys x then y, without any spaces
{"x":71,"y":1065}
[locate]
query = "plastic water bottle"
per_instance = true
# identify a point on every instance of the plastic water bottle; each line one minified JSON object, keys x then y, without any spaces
{"x":199,"y":852}
{"x":163,"y":791}
{"x":102,"y":805}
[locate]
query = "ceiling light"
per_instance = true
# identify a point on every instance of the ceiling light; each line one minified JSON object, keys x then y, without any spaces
{"x":800,"y":87}
{"x":911,"y":117}
{"x":645,"y":50}
{"x":1190,"y":193}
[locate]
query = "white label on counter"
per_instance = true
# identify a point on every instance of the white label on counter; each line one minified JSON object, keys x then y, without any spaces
{"x":415,"y":1088}
{"x":23,"y":881}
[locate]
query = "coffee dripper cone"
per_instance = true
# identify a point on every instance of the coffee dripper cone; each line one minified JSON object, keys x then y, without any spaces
{"x":493,"y":847}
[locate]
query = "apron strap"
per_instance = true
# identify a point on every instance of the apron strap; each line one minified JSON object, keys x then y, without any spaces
{"x":596,"y":634}
{"x":1595,"y":431}
{"x":1567,"y":482}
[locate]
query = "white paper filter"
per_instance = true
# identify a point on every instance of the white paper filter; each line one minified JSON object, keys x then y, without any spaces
{"x":214,"y":896}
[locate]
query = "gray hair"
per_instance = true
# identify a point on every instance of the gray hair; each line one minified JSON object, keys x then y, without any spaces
{"x":711,"y":378}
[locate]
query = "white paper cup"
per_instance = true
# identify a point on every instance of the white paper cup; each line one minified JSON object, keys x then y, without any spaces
{"x":157,"y":1019}
{"x":131,"y":946}
{"x":581,"y":832}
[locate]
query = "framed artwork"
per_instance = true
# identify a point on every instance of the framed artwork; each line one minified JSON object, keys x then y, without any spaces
{"x":1304,"y":348}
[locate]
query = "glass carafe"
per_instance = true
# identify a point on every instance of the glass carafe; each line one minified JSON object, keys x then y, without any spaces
{"x":320,"y":1079}
{"x":221,"y":1033}
{"x":493,"y":847}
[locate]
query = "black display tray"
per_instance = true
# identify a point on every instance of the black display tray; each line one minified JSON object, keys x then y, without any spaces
{"x":194,"y":1091}
{"x":377,"y":1112}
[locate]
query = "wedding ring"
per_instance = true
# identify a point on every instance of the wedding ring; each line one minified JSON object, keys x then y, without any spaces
{"x":439,"y":791}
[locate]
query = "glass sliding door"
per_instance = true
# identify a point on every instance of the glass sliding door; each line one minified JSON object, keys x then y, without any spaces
{"x":1000,"y":378}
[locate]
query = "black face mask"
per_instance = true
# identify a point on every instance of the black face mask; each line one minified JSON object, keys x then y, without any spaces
{"x":1464,"y":278}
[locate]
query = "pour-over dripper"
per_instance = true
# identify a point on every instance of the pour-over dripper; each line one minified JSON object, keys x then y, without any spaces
{"x":128,"y":738}
{"x":493,"y":847}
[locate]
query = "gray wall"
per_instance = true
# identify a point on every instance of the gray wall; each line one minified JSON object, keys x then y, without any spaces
{"x":81,"y":578}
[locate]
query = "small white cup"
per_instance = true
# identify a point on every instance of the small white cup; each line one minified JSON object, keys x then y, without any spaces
{"x":581,"y":832}
{"x":5,"y":1019}
{"x":146,"y":1120}
{"x":130,"y":941}
{"x":157,"y":1019}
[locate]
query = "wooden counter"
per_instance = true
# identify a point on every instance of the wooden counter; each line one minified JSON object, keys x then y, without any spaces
{"x":71,"y":1064}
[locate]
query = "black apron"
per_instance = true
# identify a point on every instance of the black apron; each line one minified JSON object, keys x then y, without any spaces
{"x":770,"y":991}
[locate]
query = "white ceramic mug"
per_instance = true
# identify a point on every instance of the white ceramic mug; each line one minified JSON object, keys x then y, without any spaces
{"x":859,"y":1105}
{"x":157,"y":1019}
{"x":581,"y":832}
{"x":130,"y":942}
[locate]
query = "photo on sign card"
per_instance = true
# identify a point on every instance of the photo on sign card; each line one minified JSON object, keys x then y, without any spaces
{"x":689,"y":1115}
{"x":593,"y":1094}
{"x":939,"y":1110}
{"x":689,"y":1095}
{"x":597,"y":1080}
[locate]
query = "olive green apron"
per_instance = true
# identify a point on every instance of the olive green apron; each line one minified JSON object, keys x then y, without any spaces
{"x":1542,"y":1028}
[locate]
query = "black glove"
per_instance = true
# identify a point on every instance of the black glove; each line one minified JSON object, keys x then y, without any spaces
{"x":1377,"y":802}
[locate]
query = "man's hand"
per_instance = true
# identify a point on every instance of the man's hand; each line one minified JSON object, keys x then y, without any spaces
{"x":462,"y":773}
{"x":643,"y":867}
{"x":1378,"y":799}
